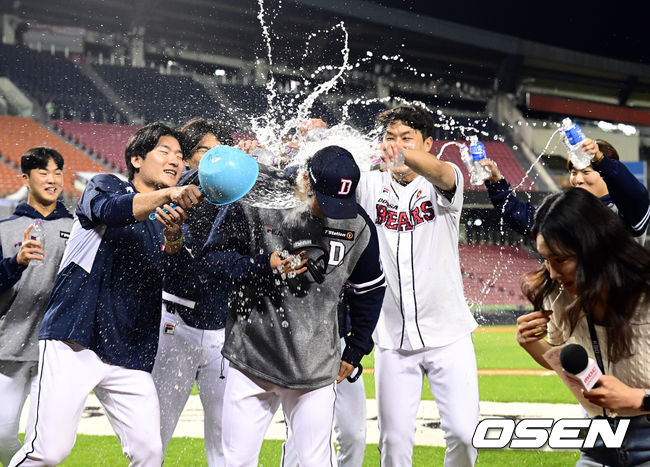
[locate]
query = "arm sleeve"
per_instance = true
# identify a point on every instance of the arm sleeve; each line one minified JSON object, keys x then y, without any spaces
{"x":452,"y":198}
{"x":10,"y":272}
{"x":364,"y":298}
{"x":519,"y":215}
{"x":226,"y":251}
{"x":629,"y":195}
{"x":105,"y":201}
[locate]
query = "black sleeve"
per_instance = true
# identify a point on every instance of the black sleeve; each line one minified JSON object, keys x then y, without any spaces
{"x":364,"y":296}
{"x":519,"y":215}
{"x":629,"y":195}
{"x":226,"y":253}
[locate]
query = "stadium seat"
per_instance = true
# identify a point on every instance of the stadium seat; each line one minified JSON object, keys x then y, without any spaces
{"x":18,"y":134}
{"x":499,"y":152}
{"x":10,"y":180}
{"x":49,"y":78}
{"x":492,"y":274}
{"x":105,"y":140}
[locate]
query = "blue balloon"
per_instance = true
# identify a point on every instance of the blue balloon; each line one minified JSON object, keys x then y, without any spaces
{"x":226,"y":174}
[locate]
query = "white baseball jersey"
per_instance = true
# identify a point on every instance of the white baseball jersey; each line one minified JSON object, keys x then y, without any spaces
{"x":417,"y":227}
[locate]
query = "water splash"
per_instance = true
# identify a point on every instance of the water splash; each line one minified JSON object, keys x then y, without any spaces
{"x":281,"y":122}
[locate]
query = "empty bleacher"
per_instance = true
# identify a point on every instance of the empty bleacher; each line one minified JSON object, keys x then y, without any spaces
{"x":498,"y":152}
{"x":10,"y":180}
{"x":248,"y":99}
{"x":106,"y":141}
{"x":52,"y":79}
{"x":492,"y":273}
{"x":18,"y":134}
{"x":158,"y":97}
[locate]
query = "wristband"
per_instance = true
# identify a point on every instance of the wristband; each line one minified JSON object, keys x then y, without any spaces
{"x":173,"y":242}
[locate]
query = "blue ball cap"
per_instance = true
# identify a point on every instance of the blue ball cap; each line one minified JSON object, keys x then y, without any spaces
{"x":334,"y":176}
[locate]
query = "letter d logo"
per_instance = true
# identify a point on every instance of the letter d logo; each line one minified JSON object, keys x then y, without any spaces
{"x":346,"y":185}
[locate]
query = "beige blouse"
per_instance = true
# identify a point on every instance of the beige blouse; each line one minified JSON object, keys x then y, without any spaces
{"x":633,"y":371}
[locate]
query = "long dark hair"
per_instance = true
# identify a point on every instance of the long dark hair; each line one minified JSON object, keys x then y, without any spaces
{"x":612,"y":270}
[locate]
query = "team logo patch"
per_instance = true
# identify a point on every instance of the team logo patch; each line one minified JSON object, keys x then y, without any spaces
{"x":385,"y":190}
{"x":269,"y":230}
{"x":169,"y":328}
{"x":63,"y":234}
{"x":338,"y":233}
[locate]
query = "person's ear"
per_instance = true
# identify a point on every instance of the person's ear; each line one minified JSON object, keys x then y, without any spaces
{"x":428,"y":144}
{"x":25,"y":178}
{"x":136,"y":161}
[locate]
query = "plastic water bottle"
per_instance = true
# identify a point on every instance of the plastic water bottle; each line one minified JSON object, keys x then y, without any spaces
{"x":397,"y":162}
{"x":572,"y":139}
{"x":264,"y":156}
{"x":478,"y":173}
{"x":38,"y":233}
{"x":467,"y":159}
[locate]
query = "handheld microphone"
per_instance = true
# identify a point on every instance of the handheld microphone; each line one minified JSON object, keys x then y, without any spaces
{"x":583,"y":369}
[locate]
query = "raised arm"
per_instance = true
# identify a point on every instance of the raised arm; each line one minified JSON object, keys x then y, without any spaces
{"x":437,"y":172}
{"x":627,"y":192}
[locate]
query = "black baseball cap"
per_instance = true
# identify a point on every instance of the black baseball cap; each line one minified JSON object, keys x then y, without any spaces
{"x":334,"y":176}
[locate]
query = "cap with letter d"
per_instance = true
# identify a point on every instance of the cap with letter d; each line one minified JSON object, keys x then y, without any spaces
{"x":334,"y":176}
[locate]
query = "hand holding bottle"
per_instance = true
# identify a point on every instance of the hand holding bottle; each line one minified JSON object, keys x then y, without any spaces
{"x":31,"y":248}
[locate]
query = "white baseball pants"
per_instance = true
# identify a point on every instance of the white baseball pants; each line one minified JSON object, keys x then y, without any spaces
{"x":184,"y":356}
{"x":349,"y":425}
{"x":65,"y":378}
{"x":453,"y":380}
{"x":16,"y":380}
{"x":249,"y":405}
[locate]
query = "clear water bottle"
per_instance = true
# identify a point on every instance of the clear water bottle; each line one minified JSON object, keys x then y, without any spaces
{"x":266,"y":157}
{"x":399,"y":160}
{"x":478,"y":173}
{"x":38,"y":233}
{"x":572,"y":139}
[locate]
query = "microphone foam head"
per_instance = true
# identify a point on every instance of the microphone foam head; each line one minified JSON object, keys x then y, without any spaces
{"x":574,"y":358}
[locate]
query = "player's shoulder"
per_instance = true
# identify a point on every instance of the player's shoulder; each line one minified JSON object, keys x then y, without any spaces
{"x":374,"y":177}
{"x":108,"y":183}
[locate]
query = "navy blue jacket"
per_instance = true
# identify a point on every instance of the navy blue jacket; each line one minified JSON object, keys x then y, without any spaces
{"x":627,"y":197}
{"x":188,"y":279}
{"x":108,"y":293}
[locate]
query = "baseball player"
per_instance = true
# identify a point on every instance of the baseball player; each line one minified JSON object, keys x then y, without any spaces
{"x":193,"y":312}
{"x":349,"y":408}
{"x":100,"y":329}
{"x":27,"y":272}
{"x":282,"y":332}
{"x":425,"y":325}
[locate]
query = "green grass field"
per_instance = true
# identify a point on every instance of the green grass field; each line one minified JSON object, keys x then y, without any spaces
{"x":494,"y":350}
{"x":105,"y":451}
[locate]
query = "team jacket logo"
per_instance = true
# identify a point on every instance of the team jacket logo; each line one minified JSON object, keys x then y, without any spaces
{"x":403,"y":221}
{"x":346,"y":184}
{"x":338,"y":233}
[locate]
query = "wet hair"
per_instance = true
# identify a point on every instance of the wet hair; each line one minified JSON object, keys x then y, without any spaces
{"x":416,"y":117}
{"x":38,"y":158}
{"x":197,"y":128}
{"x":144,"y":140}
{"x":605,"y":147}
{"x":612,"y":271}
